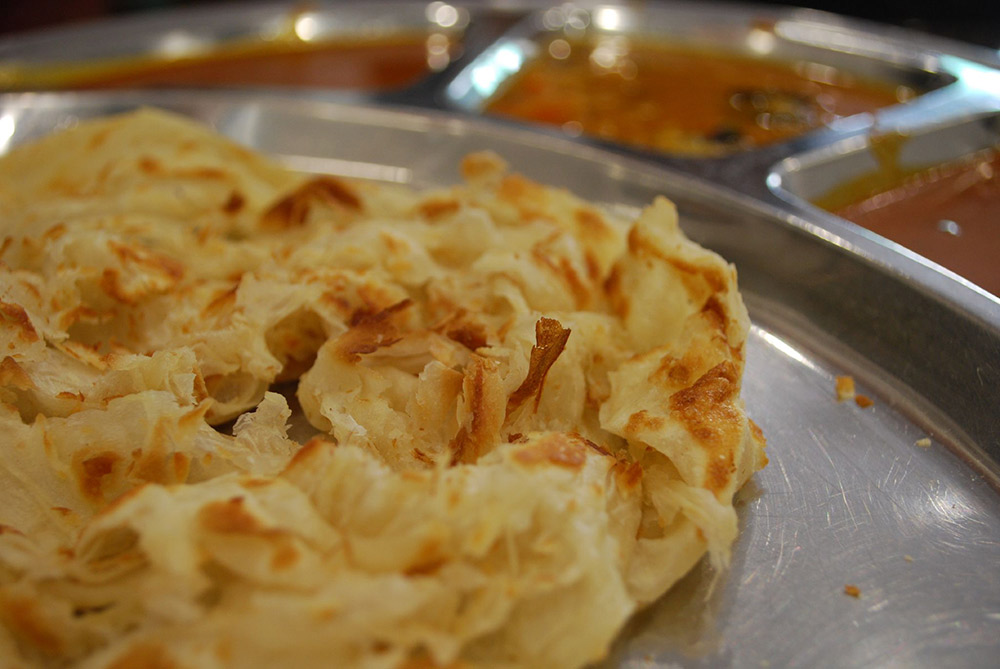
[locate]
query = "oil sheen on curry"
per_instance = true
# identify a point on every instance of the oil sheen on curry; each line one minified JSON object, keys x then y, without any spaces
{"x":682,"y":100}
{"x":946,"y":212}
{"x":361,"y":64}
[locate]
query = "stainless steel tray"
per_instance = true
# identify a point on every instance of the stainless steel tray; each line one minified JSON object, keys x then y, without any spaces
{"x":848,"y":497}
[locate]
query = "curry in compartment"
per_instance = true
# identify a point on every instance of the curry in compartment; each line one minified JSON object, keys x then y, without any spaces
{"x":946,"y":212}
{"x":682,"y":100}
{"x":527,"y":411}
{"x":361,"y":64}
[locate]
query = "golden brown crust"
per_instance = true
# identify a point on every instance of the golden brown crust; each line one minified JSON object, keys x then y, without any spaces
{"x":550,"y":340}
{"x":292,"y":210}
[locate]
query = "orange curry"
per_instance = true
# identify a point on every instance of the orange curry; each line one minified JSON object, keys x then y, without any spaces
{"x":682,"y":100}
{"x":369,"y":64}
{"x":949,"y":213}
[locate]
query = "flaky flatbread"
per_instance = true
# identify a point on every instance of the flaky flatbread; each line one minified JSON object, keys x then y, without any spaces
{"x":528,"y":411}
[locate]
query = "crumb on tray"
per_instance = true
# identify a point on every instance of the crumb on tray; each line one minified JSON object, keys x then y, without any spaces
{"x":852,"y":590}
{"x":845,"y":388}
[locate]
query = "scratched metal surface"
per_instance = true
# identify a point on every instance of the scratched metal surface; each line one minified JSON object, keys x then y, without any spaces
{"x":848,"y":497}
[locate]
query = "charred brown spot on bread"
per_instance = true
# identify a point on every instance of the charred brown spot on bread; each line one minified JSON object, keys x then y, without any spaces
{"x":62,"y":395}
{"x":224,"y":300}
{"x":465,"y":330}
{"x":481,"y":430}
{"x":641,"y":421}
{"x":292,"y":210}
{"x":54,"y":233}
{"x":711,"y":275}
{"x":563,"y":268}
{"x":482,"y":165}
{"x":597,"y":448}
{"x":230,"y":517}
{"x":370,"y":332}
{"x":429,"y":558}
{"x":420,"y":456}
{"x":516,"y":188}
{"x":131,"y":254}
{"x":25,"y":617}
{"x":285,"y":556}
{"x":591,"y":223}
{"x":628,"y":476}
{"x":110,"y":283}
{"x":251,"y":484}
{"x":550,"y":340}
{"x":613,"y":289}
{"x":16,"y":316}
{"x":91,"y":469}
{"x":435,"y":209}
{"x":154,"y":464}
{"x":706,"y":408}
{"x":715,"y":313}
{"x":673,"y":371}
{"x":235,"y":203}
{"x":150,"y":166}
{"x":13,"y":375}
{"x":554,"y":448}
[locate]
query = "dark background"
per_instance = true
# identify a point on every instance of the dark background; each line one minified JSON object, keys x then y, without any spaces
{"x":976,"y":21}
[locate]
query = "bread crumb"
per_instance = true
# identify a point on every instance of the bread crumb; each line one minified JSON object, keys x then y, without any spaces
{"x":852,"y":590}
{"x":845,"y":388}
{"x":908,"y":558}
{"x":923,"y":443}
{"x":863,"y":401}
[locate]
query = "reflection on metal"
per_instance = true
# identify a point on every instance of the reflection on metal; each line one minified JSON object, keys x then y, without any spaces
{"x":607,"y":18}
{"x":180,"y":43}
{"x":950,"y":227}
{"x":784,"y":347}
{"x":973,"y":76}
{"x":347,"y":168}
{"x":445,"y":15}
{"x":486,"y":78}
{"x":760,"y":41}
{"x":8,"y":124}
{"x":307,"y":27}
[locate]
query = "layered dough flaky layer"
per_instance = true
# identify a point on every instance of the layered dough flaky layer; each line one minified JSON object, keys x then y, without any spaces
{"x":528,"y":411}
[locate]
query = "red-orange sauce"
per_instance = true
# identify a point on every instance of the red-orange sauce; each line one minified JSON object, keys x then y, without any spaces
{"x":357,"y":64}
{"x":949,"y":213}
{"x":682,"y":100}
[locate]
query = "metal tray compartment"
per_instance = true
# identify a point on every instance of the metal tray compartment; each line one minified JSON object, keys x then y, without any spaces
{"x":848,"y":497}
{"x":70,"y":56}
{"x":771,"y":35}
{"x":802,"y":179}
